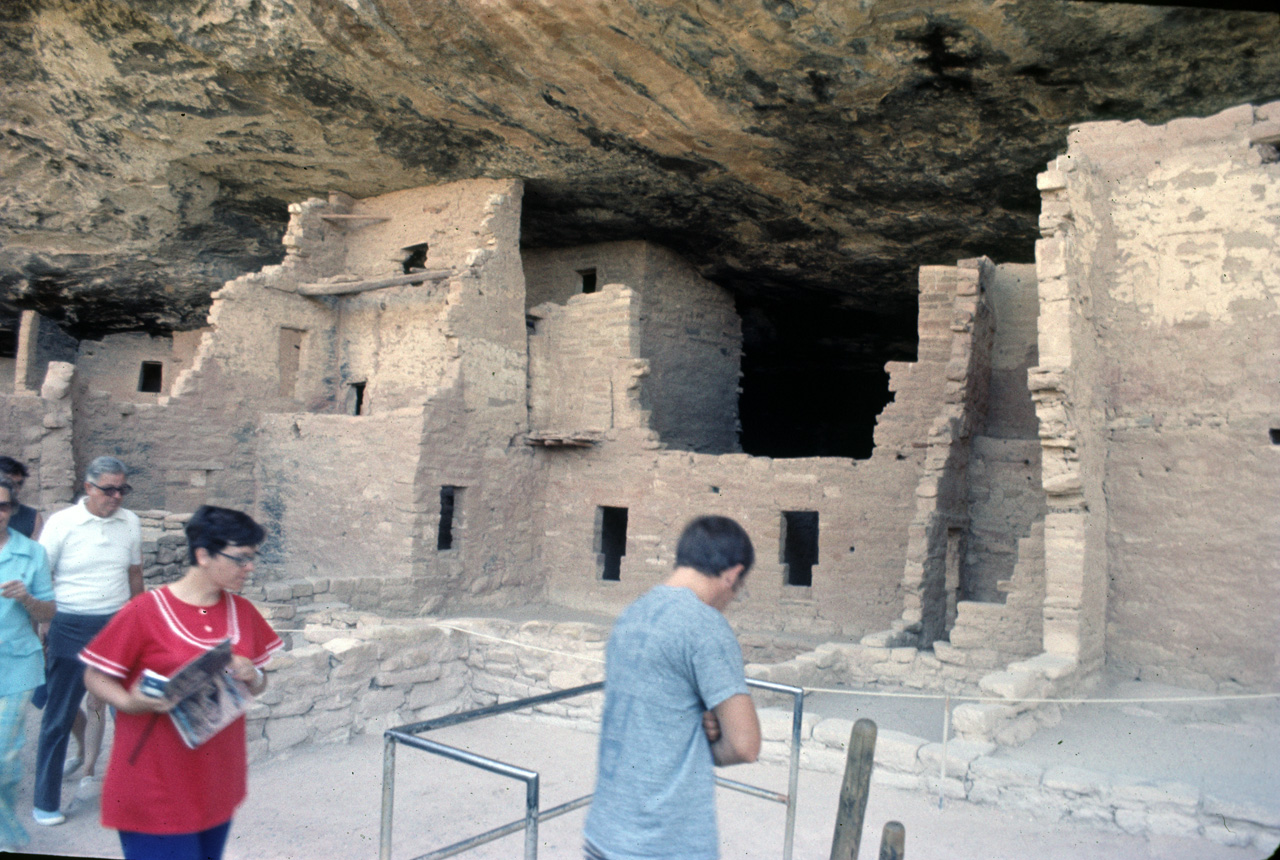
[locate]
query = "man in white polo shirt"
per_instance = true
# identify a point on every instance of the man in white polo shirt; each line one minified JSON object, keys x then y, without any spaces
{"x":95,"y":553}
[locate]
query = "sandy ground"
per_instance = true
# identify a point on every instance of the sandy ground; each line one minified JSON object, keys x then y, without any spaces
{"x":326,"y":801}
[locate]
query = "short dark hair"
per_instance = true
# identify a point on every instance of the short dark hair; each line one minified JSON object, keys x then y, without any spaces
{"x":713,"y":544}
{"x":10,"y":466}
{"x":214,"y":529}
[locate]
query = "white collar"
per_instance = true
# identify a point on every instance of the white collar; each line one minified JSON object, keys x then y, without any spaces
{"x":87,"y":516}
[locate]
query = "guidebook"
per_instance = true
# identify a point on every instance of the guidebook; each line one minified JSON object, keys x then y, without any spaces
{"x":208,"y":698}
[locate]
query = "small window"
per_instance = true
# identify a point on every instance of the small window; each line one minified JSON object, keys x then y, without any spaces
{"x":611,"y":541}
{"x":415,"y":257}
{"x":150,"y":377}
{"x":799,"y":546}
{"x":355,"y":400}
{"x":588,"y":280}
{"x":1275,"y":435}
{"x":450,"y":500}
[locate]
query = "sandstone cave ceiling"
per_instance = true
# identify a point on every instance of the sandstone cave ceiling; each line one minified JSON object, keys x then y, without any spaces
{"x":812,"y":151}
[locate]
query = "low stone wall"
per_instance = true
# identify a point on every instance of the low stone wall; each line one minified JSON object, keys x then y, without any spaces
{"x":164,"y":547}
{"x":975,"y":772}
{"x":355,"y":673}
{"x":945,"y":669}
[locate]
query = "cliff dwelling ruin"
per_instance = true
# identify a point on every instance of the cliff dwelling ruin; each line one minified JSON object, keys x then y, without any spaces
{"x":1027,"y":472}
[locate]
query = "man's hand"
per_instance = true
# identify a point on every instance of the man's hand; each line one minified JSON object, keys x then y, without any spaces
{"x":711,"y":726}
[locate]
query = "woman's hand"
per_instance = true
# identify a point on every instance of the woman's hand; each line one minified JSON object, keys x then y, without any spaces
{"x":140,"y":703}
{"x":38,"y":610}
{"x":131,"y":701}
{"x":242,"y":669}
{"x":14,"y":589}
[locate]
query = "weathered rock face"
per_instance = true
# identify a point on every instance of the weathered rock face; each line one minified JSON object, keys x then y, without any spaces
{"x":794,"y":150}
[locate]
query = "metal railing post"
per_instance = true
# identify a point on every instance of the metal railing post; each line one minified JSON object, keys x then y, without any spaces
{"x":388,"y":796}
{"x":531,"y":819}
{"x":793,"y":779}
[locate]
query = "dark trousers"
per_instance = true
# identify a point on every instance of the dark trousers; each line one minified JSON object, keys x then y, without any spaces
{"x":64,"y":680}
{"x":205,"y":845}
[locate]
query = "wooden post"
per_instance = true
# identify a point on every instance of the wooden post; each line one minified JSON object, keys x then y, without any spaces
{"x":893,"y":840}
{"x":343,"y":288}
{"x":854,"y":791}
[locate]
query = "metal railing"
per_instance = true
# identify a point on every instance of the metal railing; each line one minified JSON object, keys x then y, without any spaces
{"x":409,"y":735}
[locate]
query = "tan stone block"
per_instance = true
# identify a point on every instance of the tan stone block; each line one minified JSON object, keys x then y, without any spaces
{"x":1051,"y":180}
{"x":421,"y":674}
{"x":980,"y":718}
{"x":1076,"y":781}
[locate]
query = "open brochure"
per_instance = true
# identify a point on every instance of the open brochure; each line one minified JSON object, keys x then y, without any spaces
{"x":208,"y":699}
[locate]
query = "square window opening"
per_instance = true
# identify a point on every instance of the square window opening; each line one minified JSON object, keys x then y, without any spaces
{"x":799,"y":546}
{"x":150,"y":377}
{"x":355,"y":400}
{"x":588,"y":277}
{"x":611,"y":541}
{"x":450,"y":502}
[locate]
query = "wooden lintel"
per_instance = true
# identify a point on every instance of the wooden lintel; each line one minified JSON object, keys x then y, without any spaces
{"x":340,"y":288}
{"x":336,"y":218}
{"x":561,"y":441}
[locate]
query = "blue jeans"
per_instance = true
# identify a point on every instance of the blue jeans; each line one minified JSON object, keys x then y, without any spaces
{"x":205,"y":845}
{"x":12,"y":733}
{"x":64,"y":679}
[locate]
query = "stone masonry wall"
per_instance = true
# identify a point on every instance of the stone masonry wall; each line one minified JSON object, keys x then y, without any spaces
{"x":584,"y":365}
{"x":692,"y":339}
{"x":948,"y":396}
{"x":684,"y":329}
{"x":1181,"y":295}
{"x":40,"y":342}
{"x":114,"y":364}
{"x":1005,"y":496}
{"x":861,"y":505}
{"x":555,"y":274}
{"x":189,"y":451}
{"x":36,"y":430}
{"x":340,"y":492}
{"x":475,"y":432}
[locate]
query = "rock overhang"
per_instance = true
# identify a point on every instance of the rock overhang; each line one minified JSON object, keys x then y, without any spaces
{"x":793,"y":151}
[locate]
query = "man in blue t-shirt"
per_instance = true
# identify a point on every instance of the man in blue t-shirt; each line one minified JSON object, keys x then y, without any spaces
{"x":676,"y":704}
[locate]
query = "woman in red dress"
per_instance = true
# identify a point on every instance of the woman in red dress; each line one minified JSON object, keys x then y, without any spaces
{"x":168,"y":799}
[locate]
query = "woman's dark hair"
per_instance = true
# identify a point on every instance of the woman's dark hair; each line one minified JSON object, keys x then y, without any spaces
{"x":712,"y":545}
{"x":215,"y":529}
{"x":10,"y":466}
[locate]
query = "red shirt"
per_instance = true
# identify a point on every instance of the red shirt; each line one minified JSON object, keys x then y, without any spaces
{"x":155,"y":783}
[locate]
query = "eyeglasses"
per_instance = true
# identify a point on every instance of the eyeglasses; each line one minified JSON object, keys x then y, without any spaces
{"x":115,"y":492}
{"x":6,"y":507}
{"x":238,"y":560}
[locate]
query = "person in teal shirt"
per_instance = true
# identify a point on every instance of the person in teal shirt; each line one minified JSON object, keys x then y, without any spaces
{"x":26,"y":598}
